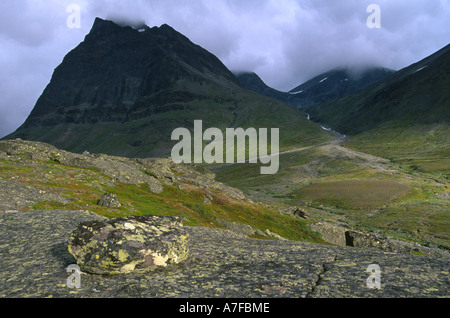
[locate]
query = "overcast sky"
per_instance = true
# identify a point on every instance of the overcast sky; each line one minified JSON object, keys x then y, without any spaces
{"x":286,"y":42}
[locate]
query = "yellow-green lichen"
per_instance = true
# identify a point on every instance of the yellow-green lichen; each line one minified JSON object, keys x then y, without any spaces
{"x":122,"y":256}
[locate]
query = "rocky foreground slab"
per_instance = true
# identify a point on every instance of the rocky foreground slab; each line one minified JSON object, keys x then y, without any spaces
{"x":35,"y":259}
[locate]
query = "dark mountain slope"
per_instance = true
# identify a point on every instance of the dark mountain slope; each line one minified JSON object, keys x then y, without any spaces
{"x":123,"y":91}
{"x":106,"y":78}
{"x":252,"y":82}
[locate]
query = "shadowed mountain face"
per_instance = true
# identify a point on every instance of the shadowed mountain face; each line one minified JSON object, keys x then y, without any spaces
{"x":254,"y":83}
{"x":325,"y":87}
{"x":123,"y":91}
{"x":119,"y":74}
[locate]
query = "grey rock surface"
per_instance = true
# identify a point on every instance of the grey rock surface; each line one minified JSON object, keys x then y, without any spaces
{"x":35,"y":259}
{"x":15,"y":196}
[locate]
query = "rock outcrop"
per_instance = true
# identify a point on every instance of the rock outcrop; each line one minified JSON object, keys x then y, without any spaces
{"x":15,"y":196}
{"x":296,"y":212}
{"x":131,"y":244}
{"x":35,"y":259}
{"x":155,"y":172}
{"x":332,"y":233}
{"x":343,"y":235}
{"x":109,"y":200}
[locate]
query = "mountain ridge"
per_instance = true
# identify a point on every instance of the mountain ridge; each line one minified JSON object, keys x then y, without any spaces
{"x":338,"y":83}
{"x":89,"y":53}
{"x":122,"y":91}
{"x":334,"y":84}
{"x":394,"y":88}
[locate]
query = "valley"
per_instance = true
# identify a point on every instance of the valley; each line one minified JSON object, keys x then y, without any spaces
{"x":335,"y":183}
{"x":387,"y":170}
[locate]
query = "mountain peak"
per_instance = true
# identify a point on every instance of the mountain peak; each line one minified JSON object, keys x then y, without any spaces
{"x":121,"y":73}
{"x":103,"y":28}
{"x":117,"y":23}
{"x":167,"y":28}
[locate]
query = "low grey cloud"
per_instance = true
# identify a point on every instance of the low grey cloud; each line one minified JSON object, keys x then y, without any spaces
{"x":285,"y":41}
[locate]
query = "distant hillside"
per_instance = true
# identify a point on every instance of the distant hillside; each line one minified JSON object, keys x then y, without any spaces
{"x":325,"y":87}
{"x":406,"y":116}
{"x":253,"y":82}
{"x":123,"y":90}
{"x":337,"y":83}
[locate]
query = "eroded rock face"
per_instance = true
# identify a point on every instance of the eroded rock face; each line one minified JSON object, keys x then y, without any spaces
{"x":131,"y":244}
{"x":332,"y":233}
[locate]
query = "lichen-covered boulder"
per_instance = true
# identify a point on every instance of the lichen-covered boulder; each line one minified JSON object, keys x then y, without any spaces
{"x":131,"y":244}
{"x":109,"y":200}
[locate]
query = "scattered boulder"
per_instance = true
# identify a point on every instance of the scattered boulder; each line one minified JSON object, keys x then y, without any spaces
{"x":300,"y":213}
{"x":332,"y":233}
{"x":343,"y":235}
{"x":444,"y":195}
{"x":296,"y":212}
{"x":274,"y":235}
{"x":363,"y":239}
{"x":109,"y":200}
{"x":131,"y":244}
{"x":247,"y":230}
{"x":238,"y":228}
{"x":208,"y":198}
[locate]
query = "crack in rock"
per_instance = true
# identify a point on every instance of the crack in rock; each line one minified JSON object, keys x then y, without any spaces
{"x":319,"y":290}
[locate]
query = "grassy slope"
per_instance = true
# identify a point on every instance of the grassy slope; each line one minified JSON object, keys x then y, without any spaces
{"x":418,"y":147}
{"x":335,"y":183}
{"x":83,"y":187}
